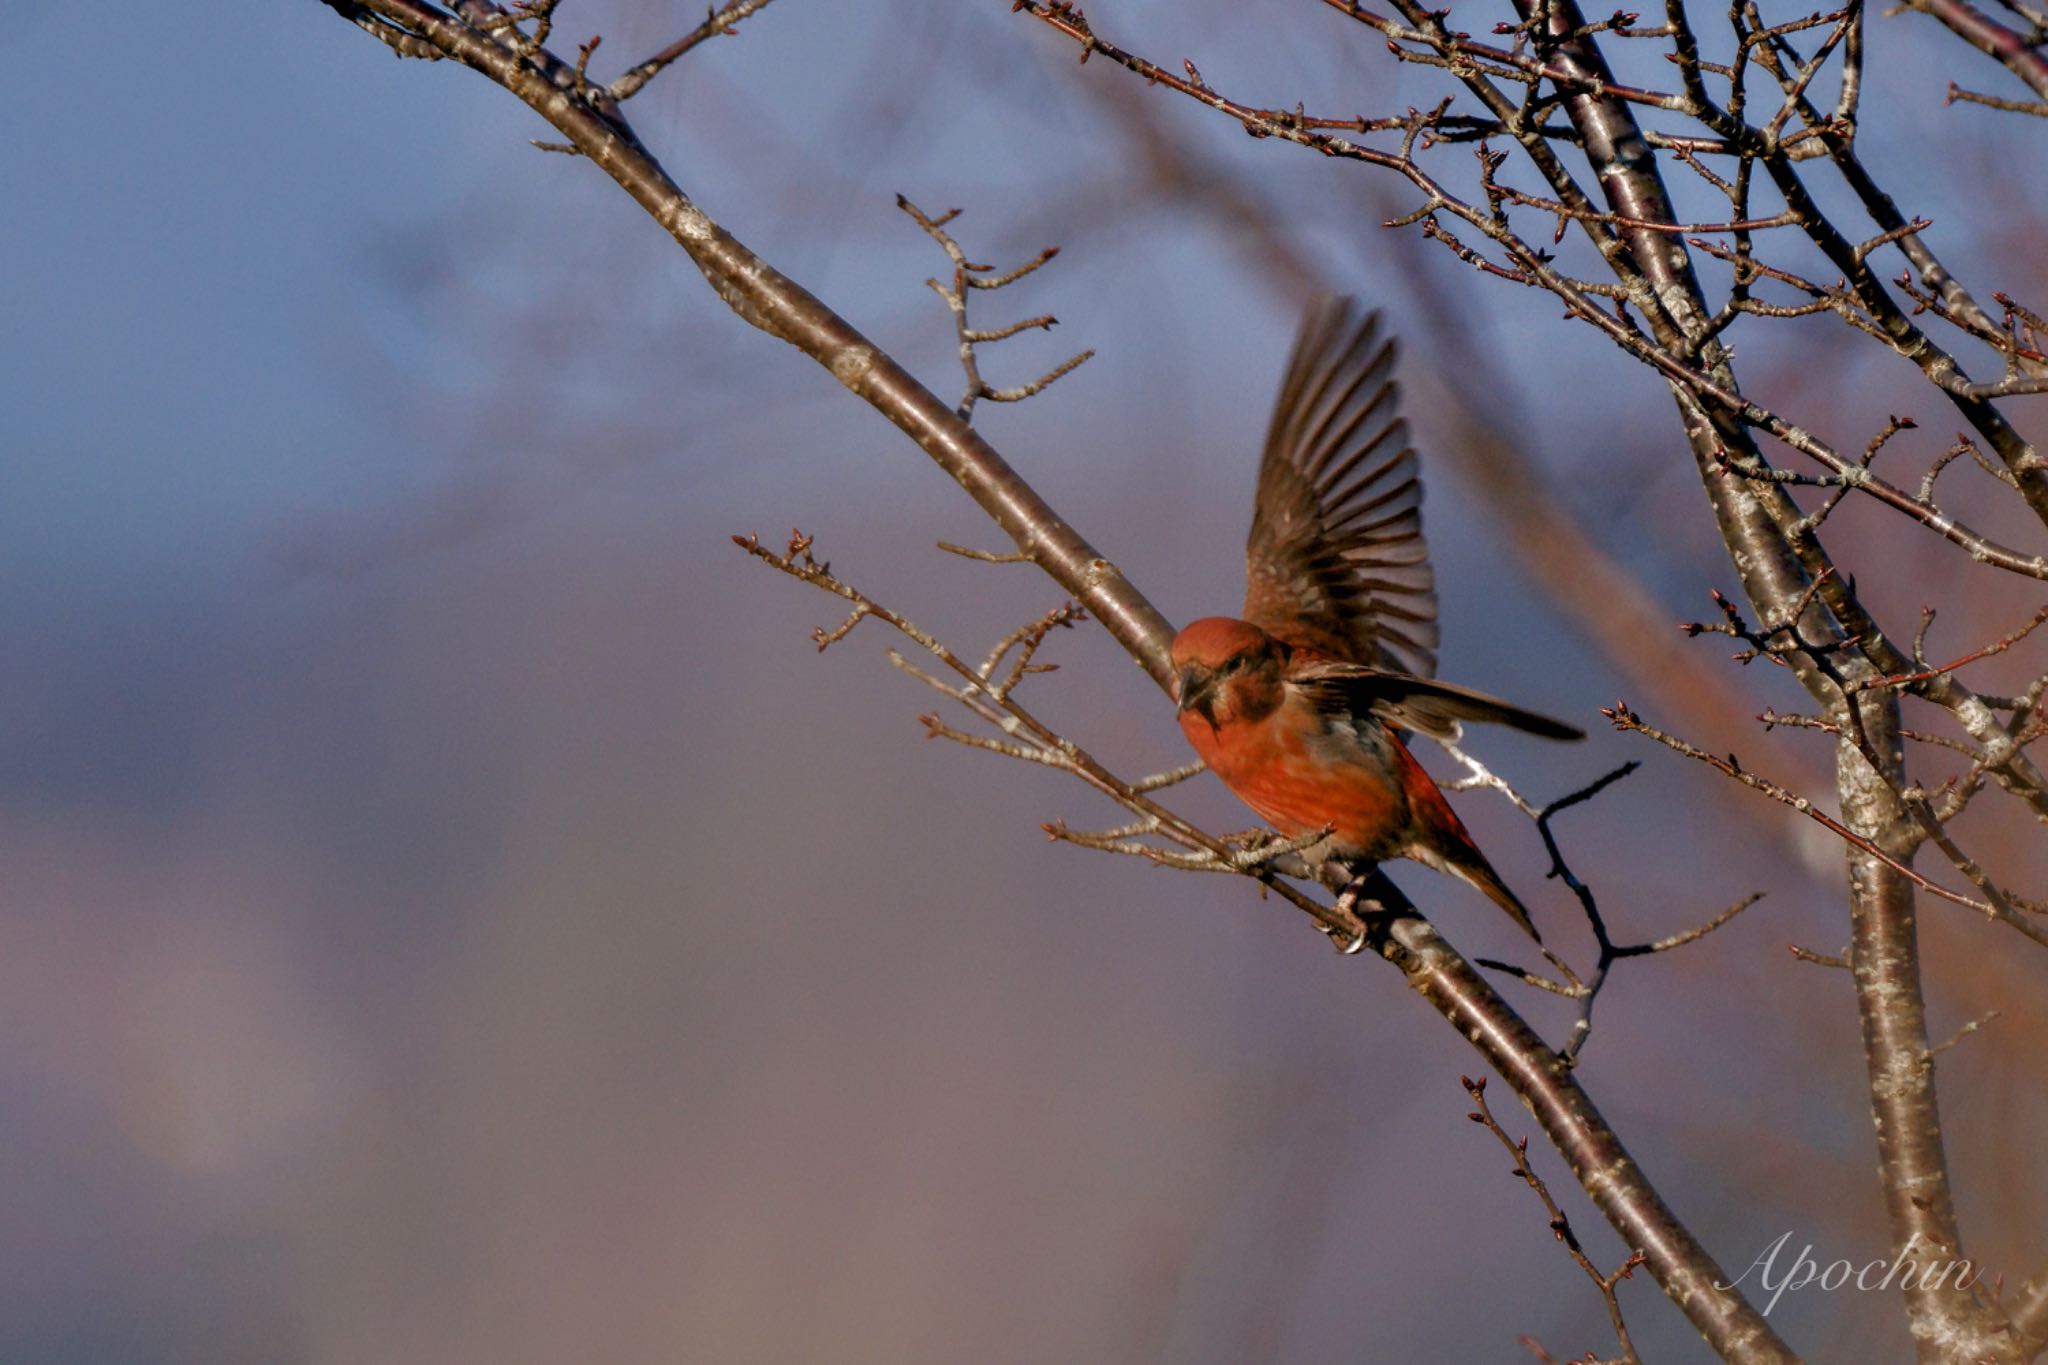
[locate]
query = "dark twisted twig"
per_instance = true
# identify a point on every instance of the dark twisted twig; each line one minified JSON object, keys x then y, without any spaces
{"x":1586,"y":990}
{"x":1609,"y":951}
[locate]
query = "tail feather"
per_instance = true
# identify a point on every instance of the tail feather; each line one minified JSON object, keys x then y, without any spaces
{"x":1471,"y":867}
{"x":1487,"y":880}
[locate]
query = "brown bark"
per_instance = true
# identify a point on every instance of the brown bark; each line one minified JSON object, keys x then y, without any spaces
{"x":767,"y":299}
{"x":1947,"y":1323}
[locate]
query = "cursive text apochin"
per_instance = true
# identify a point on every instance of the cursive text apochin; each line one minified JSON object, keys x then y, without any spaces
{"x":1901,"y":1272}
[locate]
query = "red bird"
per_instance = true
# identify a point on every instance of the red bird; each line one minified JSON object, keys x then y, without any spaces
{"x":1300,"y":707}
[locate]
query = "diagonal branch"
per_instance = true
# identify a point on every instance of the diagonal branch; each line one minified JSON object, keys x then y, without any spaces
{"x":769,"y":300}
{"x":766,"y":298}
{"x":1991,"y":38}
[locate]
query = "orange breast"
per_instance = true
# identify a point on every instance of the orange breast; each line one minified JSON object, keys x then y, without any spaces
{"x":1299,"y":777}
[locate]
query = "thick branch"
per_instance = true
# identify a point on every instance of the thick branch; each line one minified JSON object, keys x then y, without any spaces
{"x":1946,"y":1324}
{"x":2028,"y":1305}
{"x":769,"y":300}
{"x":1885,"y":959}
{"x":1618,"y":1187}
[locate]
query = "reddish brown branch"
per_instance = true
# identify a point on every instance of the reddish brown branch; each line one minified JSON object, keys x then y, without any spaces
{"x":1991,"y":38}
{"x":1628,"y":720}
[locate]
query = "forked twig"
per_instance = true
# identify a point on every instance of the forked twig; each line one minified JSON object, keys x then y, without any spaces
{"x":1560,"y":1225}
{"x":1026,"y":738}
{"x":968,"y":275}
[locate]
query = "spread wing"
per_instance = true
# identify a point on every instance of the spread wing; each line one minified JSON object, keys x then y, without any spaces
{"x":1336,"y":563}
{"x":1410,"y":703}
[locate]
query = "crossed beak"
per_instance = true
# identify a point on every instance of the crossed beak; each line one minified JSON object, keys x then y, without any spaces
{"x":1197,"y":692}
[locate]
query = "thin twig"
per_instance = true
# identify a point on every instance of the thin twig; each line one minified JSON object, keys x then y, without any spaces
{"x":1560,"y":1225}
{"x":720,"y":22}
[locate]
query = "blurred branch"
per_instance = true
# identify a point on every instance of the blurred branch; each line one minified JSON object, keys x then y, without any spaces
{"x":2019,"y":55}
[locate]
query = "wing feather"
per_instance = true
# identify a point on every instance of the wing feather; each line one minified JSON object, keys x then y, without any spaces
{"x":1410,"y":703}
{"x":1336,"y":563}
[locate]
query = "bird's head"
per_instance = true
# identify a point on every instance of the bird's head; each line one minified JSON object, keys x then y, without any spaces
{"x":1226,"y":669}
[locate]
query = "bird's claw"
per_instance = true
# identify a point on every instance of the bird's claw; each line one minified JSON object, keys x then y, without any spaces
{"x":1352,"y":941}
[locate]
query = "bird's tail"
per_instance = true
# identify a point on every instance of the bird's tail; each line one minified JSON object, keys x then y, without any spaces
{"x":1437,"y":838}
{"x":1469,"y":865}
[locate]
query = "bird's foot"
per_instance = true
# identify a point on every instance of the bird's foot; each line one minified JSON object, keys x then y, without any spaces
{"x":1349,"y":940}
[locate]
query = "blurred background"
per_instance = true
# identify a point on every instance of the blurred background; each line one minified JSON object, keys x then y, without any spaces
{"x":452,"y":914}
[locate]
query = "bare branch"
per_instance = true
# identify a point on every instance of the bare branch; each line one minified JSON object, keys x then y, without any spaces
{"x":967,"y":275}
{"x":1991,"y":38}
{"x":1560,"y":1226}
{"x":720,"y":22}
